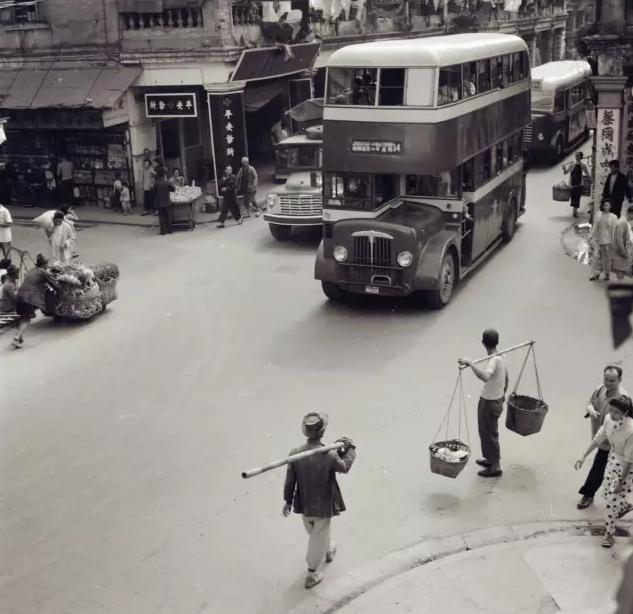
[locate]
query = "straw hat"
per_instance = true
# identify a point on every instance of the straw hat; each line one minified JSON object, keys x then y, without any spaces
{"x":314,"y":424}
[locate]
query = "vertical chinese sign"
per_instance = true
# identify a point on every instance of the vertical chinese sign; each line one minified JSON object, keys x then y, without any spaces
{"x":607,"y":147}
{"x":228,"y":131}
{"x":627,"y":136}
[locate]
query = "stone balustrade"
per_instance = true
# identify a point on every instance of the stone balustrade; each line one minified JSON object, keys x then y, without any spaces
{"x":171,"y":18}
{"x":247,"y":13}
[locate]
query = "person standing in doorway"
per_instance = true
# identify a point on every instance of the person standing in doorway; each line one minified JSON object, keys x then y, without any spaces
{"x":616,"y":187}
{"x":576,"y":174}
{"x":162,"y":201}
{"x":311,"y":488}
{"x":229,"y":200}
{"x":65,"y":171}
{"x":6,"y":221}
{"x":495,"y":377}
{"x":602,"y":235}
{"x":246,"y":182}
{"x":148,"y":179}
{"x":610,"y":388}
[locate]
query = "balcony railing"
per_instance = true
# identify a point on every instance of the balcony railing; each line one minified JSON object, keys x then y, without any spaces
{"x":171,"y":18}
{"x":247,"y":13}
{"x":17,"y":12}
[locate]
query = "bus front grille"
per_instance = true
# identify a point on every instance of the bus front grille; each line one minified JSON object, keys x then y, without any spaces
{"x":368,"y":252}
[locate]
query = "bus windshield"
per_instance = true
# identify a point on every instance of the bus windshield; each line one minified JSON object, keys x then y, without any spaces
{"x":445,"y":184}
{"x":542,"y":101}
{"x":359,"y":191}
{"x":299,"y":157}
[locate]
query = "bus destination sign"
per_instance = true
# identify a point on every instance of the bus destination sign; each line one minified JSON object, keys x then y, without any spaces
{"x":366,"y":146}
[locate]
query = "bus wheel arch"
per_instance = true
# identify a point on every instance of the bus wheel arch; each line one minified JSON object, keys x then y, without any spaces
{"x":332,"y":291}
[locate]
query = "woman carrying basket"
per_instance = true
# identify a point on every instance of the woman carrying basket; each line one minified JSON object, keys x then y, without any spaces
{"x":617,"y":430}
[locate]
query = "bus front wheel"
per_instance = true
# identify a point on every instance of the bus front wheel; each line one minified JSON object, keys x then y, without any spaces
{"x":441,"y":296}
{"x":332,"y":291}
{"x":281,"y":233}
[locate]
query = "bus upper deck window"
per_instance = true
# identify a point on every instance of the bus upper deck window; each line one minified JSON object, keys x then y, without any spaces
{"x":559,"y":102}
{"x":519,"y":70}
{"x":469,"y":80}
{"x":450,"y":84}
{"x":483,"y":75}
{"x":391,"y":88}
{"x":351,"y":86}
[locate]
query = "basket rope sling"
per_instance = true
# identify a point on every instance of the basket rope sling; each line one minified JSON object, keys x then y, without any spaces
{"x":526,"y":414}
{"x":440,"y":465}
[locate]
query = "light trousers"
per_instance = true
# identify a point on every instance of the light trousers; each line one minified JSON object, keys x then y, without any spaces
{"x":318,"y":530}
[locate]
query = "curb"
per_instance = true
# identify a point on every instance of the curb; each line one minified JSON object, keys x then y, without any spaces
{"x":331,"y":596}
{"x":25,"y":221}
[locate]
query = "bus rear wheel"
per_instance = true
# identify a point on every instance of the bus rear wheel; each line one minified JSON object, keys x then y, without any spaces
{"x":332,"y":291}
{"x":446,"y":283}
{"x":281,"y":233}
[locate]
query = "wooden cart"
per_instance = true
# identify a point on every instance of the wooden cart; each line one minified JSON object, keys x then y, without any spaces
{"x":183,"y":214}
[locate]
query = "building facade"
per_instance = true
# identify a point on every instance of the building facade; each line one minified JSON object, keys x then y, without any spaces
{"x":200,"y":82}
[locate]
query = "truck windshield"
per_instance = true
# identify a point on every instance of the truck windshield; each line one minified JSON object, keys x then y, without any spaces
{"x":359,"y":191}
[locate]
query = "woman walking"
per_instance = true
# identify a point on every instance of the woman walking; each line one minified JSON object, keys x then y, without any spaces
{"x":622,"y":245}
{"x":576,"y":174}
{"x":617,"y":430}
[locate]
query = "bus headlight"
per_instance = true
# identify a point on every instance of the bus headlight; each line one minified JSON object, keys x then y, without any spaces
{"x":340,"y":253}
{"x":272,"y":200}
{"x":405,"y":259}
{"x":541,"y":136}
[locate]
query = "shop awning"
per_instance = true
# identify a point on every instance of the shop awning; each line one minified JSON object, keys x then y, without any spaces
{"x":92,"y":88}
{"x":267,"y":62}
{"x":308,"y":110}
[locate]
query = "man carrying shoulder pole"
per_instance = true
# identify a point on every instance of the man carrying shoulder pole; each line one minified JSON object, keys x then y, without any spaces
{"x":312,"y":487}
{"x":495,"y":377}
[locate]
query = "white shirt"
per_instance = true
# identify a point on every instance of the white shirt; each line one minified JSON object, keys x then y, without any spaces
{"x":494,"y":388}
{"x":5,"y":218}
{"x":619,"y":435}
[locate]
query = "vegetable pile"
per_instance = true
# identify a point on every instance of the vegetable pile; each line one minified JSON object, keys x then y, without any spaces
{"x":81,"y":297}
{"x":184,"y":194}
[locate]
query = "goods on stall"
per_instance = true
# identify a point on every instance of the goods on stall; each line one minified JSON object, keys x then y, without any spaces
{"x":80,"y":296}
{"x":186,"y":193}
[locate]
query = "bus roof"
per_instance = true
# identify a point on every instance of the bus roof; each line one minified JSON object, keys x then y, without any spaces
{"x":555,"y":75}
{"x":431,"y":51}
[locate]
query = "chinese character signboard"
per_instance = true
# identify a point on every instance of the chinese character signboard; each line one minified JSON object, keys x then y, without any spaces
{"x":627,"y":134}
{"x":376,"y":147}
{"x":171,"y":105}
{"x":607,"y":144}
{"x":228,"y":131}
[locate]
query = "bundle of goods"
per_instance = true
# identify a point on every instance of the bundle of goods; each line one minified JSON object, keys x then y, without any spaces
{"x":185,"y":194}
{"x":80,"y":296}
{"x":106,"y":276}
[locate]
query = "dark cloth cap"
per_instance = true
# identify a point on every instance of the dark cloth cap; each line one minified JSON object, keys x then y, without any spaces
{"x":314,"y":423}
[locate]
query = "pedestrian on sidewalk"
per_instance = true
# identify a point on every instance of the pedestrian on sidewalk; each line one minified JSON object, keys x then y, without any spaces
{"x":246,"y":182}
{"x":617,"y":430}
{"x":115,"y":198}
{"x":610,"y":388}
{"x":61,"y":238}
{"x":312,"y":487}
{"x":148,"y":179}
{"x":229,"y":199}
{"x":65,"y":173}
{"x":616,"y":187}
{"x":576,"y":173}
{"x":126,"y":198}
{"x":37,"y":290}
{"x":622,"y":246}
{"x":6,"y":221}
{"x":495,"y":377}
{"x":70,"y":217}
{"x":162,"y":201}
{"x":602,"y":234}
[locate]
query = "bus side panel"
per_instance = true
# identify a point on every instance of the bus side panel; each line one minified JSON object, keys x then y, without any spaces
{"x":577,"y":124}
{"x":430,"y":260}
{"x":500,"y":200}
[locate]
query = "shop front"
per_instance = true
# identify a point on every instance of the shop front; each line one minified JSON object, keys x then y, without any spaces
{"x":77,"y":114}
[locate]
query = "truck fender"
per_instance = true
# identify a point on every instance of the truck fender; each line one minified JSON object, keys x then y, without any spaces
{"x":428,"y":268}
{"x":324,"y":268}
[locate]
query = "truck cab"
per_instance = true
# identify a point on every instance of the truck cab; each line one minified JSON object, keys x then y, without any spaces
{"x":298,"y":201}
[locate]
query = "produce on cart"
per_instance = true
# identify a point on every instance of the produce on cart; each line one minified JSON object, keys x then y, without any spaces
{"x":85,"y":290}
{"x":183,"y":205}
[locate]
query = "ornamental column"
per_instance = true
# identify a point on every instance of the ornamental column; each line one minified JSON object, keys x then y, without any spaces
{"x":227,"y":123}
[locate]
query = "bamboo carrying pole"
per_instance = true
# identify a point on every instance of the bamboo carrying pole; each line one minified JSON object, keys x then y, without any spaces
{"x":501,"y":353}
{"x":289,"y":459}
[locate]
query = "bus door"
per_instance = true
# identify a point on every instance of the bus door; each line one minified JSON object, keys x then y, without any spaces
{"x":477,"y":210}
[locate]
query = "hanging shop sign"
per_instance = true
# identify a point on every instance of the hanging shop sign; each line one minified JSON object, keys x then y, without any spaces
{"x":117,"y":115}
{"x":171,"y":105}
{"x":607,"y":144}
{"x":376,"y":147}
{"x":228,"y":131}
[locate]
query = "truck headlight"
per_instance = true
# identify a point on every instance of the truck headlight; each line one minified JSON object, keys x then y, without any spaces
{"x":272,"y":200}
{"x":541,"y":136}
{"x":405,"y":259}
{"x":340,"y":253}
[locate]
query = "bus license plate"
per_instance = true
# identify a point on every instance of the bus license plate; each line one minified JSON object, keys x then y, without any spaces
{"x":372,"y":290}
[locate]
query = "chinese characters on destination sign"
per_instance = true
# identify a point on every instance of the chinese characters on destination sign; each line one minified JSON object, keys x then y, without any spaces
{"x":376,"y":147}
{"x":171,"y":105}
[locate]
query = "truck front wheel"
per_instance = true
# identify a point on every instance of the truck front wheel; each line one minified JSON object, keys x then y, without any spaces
{"x":332,"y":291}
{"x":281,"y":233}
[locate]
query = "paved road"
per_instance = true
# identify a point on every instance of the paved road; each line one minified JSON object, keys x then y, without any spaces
{"x":122,"y":440}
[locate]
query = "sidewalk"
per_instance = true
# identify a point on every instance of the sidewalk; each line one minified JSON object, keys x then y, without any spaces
{"x":522,"y":569}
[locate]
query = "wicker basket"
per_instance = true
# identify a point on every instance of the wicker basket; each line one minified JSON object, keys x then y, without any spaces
{"x":442,"y":467}
{"x":561,"y":192}
{"x":525,"y":414}
{"x":108,"y":291}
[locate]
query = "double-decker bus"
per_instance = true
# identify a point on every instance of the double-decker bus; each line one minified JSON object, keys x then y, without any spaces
{"x":560,"y":91}
{"x":422,"y":161}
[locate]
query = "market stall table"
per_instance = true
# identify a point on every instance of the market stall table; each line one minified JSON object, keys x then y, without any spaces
{"x":183,"y":206}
